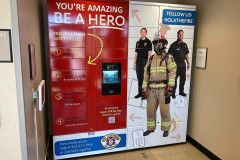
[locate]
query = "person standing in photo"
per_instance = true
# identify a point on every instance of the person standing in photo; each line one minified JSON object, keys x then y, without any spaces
{"x":158,"y":83}
{"x":179,"y":51}
{"x":143,"y":52}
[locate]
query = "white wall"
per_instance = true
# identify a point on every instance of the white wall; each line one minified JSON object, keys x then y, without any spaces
{"x":10,"y":147}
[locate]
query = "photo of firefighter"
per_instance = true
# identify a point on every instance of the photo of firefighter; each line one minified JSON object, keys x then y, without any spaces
{"x":158,"y":84}
{"x":143,"y":51}
{"x":179,"y":51}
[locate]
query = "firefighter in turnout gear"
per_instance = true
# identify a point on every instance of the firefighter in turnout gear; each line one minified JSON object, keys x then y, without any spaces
{"x":158,"y":83}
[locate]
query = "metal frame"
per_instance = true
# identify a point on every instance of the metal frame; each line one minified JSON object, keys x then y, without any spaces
{"x":205,"y":66}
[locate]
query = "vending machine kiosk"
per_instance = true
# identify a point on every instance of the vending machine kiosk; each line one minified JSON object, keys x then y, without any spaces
{"x":92,"y":79}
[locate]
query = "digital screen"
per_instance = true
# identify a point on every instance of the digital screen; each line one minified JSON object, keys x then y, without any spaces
{"x":110,"y":77}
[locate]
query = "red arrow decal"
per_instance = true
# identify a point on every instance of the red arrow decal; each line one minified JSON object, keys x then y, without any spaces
{"x":178,"y":137}
{"x":132,"y":116}
{"x":134,"y":12}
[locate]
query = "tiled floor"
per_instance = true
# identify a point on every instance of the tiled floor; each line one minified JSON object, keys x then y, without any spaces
{"x":184,"y":151}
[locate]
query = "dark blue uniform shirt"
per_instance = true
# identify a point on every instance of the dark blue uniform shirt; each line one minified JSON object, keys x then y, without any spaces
{"x":178,"y":51}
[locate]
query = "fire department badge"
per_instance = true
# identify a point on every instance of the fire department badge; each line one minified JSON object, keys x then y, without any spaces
{"x":110,"y":141}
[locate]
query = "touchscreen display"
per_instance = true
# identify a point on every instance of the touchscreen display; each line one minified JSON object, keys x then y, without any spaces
{"x":110,"y":76}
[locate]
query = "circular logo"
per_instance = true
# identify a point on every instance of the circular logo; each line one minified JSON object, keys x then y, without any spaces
{"x":181,"y":102}
{"x":60,"y":121}
{"x":59,"y":96}
{"x":110,"y":141}
{"x":57,"y":52}
{"x":58,"y":74}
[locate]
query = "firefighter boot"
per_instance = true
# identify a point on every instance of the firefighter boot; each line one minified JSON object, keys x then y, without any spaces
{"x":146,"y":133}
{"x":165,"y":133}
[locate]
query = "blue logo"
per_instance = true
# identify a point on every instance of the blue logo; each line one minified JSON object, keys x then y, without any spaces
{"x":178,"y":17}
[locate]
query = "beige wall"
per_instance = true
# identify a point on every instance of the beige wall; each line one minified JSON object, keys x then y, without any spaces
{"x":30,"y":16}
{"x":9,"y":124}
{"x":215,"y":95}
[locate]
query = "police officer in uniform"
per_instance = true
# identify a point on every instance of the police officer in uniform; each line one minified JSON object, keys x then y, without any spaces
{"x":143,"y":52}
{"x":179,"y":51}
{"x":158,"y":83}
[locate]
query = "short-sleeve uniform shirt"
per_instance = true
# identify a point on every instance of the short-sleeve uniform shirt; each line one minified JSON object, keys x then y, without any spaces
{"x":178,"y":51}
{"x":142,"y":48}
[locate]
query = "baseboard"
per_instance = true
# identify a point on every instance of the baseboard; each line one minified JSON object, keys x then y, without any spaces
{"x":201,"y":148}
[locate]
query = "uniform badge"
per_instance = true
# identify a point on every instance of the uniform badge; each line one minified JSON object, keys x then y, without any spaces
{"x":145,"y":44}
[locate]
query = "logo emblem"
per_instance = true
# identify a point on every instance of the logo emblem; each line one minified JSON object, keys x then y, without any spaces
{"x":59,"y":121}
{"x":58,"y":74}
{"x":59,"y":96}
{"x":110,"y":141}
{"x":57,"y":52}
{"x":181,"y":102}
{"x":145,"y":44}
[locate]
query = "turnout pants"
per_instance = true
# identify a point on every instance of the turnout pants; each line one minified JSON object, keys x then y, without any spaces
{"x":155,"y":99}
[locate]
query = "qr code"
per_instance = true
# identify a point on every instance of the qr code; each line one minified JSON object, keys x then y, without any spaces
{"x":111,"y":119}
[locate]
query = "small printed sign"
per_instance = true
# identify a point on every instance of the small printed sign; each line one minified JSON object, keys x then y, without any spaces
{"x":201,"y":58}
{"x":5,"y":46}
{"x":138,"y":139}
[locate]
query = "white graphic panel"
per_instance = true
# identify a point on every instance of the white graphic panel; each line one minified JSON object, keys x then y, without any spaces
{"x":139,"y":15}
